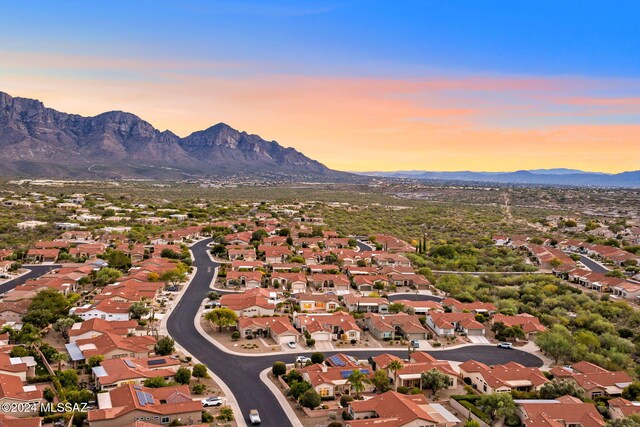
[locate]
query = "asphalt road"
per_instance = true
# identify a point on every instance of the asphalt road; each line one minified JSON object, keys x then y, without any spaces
{"x":592,"y":265}
{"x":241,"y":373}
{"x":36,"y":271}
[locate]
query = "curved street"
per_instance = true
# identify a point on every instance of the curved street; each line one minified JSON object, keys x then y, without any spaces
{"x":241,"y":373}
{"x":35,"y":272}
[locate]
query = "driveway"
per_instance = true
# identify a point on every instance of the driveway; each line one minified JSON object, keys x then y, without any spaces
{"x":242,"y":373}
{"x":478,"y":339}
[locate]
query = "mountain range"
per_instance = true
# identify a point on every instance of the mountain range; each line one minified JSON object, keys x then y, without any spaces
{"x":561,"y":176}
{"x":36,"y":141}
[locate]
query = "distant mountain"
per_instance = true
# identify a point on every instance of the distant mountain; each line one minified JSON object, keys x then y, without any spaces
{"x":569,"y":177}
{"x":36,"y":141}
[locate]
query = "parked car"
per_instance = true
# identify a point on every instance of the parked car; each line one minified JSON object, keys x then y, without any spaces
{"x":212,"y":401}
{"x":415,"y":343}
{"x":303,"y":359}
{"x":505,"y":345}
{"x":291,"y":344}
{"x":254,"y":417}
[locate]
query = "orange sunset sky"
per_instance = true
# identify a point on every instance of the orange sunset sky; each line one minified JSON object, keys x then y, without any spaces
{"x":342,"y":105}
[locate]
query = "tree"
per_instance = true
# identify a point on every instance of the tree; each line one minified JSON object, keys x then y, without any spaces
{"x":172,"y":277}
{"x":48,"y":394}
{"x":394,"y":366}
{"x":226,"y":414}
{"x":259,"y":234}
{"x":555,"y":263}
{"x":68,"y":378}
{"x":317,"y":357}
{"x":632,"y":391}
{"x":396,"y":307}
{"x":59,"y":357}
{"x":357,"y":381}
{"x":95,"y":360}
{"x":200,"y":371}
{"x":19,"y":351}
{"x":63,"y":324}
{"x":138,"y":310}
{"x":472,"y":423}
{"x":46,"y":307}
{"x":222,"y":317}
{"x":561,"y":387}
{"x":165,"y":346}
{"x":632,"y":420}
{"x":119,"y":260}
{"x":497,"y":405}
{"x":310,"y":399}
{"x":183,"y":376}
{"x":297,"y":388}
{"x":556,"y":343}
{"x":278,"y":368}
{"x":155,"y":382}
{"x":107,"y":275}
{"x":434,"y":380}
{"x":381,"y":381}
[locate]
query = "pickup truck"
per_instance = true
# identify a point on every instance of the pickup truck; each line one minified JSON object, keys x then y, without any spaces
{"x":254,"y":417}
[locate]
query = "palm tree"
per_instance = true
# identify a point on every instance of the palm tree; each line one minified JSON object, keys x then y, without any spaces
{"x":357,"y":380}
{"x":394,"y":367}
{"x":59,"y":357}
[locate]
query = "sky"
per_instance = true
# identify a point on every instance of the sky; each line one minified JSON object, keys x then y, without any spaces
{"x":358,"y":85}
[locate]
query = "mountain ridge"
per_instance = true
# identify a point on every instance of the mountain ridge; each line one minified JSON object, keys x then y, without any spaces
{"x":39,"y":141}
{"x":559,"y":176}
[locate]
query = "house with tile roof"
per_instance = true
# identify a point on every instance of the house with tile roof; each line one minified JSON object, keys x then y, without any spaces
{"x":316,"y":302}
{"x":12,"y":421}
{"x":565,"y":411}
{"x":393,"y":326}
{"x":330,"y":381}
{"x":279,"y":328}
{"x":105,"y":310}
{"x":254,"y":302}
{"x":111,"y":346}
{"x":245,"y":279}
{"x":159,"y":406}
{"x":94,"y":327}
{"x":325,"y":327}
{"x":502,"y":378}
{"x":622,"y":408}
{"x":21,"y":367}
{"x":530,"y":324}
{"x":447,"y":324}
{"x":113,"y":373}
{"x":392,"y":409}
{"x":594,"y":380}
{"x":13,"y":391}
{"x":295,"y":282}
{"x":360,"y":304}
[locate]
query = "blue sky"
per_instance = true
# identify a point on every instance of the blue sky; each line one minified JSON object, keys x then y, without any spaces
{"x":584,"y":53}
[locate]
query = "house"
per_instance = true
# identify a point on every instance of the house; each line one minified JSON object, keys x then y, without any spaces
{"x":105,"y":310}
{"x":446,"y":324}
{"x":242,"y":265}
{"x":360,"y":304}
{"x":502,"y":378}
{"x":88,"y":250}
{"x":241,"y":253}
{"x":14,"y":392}
{"x":94,"y":327}
{"x":469,"y":307}
{"x":254,"y":302}
{"x":329,"y":381}
{"x":565,"y":411}
{"x":275,"y":254}
{"x":111,"y":346}
{"x":410,"y":375}
{"x":238,"y":239}
{"x":21,"y":367}
{"x":421,"y":307}
{"x":390,"y":259}
{"x":160,"y":406}
{"x":392,"y":326}
{"x":622,"y":408}
{"x":331,"y":282}
{"x":317,"y":302}
{"x":325,"y":327}
{"x":247,"y":279}
{"x":295,"y":282}
{"x":409,"y":279}
{"x":278,"y":328}
{"x":13,"y":311}
{"x":43,"y":255}
{"x":113,"y":373}
{"x":368,"y":283}
{"x":11,"y":421}
{"x":392,"y":409}
{"x":529,"y":324}
{"x":594,"y":380}
{"x":392,"y":243}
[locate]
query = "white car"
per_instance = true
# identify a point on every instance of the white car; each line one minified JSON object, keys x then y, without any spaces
{"x":303,"y":359}
{"x":254,"y":417}
{"x":291,"y":344}
{"x":415,"y":343}
{"x":212,"y":401}
{"x":505,"y":345}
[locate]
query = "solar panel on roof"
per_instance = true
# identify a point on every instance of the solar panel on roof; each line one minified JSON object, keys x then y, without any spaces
{"x":156,"y":362}
{"x":137,"y":387}
{"x":129,"y":363}
{"x":345,"y":374}
{"x":142,"y":400}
